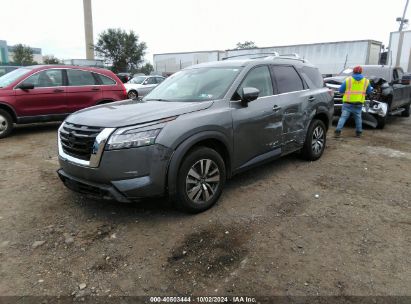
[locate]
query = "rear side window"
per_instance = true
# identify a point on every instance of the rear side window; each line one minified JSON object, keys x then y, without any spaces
{"x":260,"y":79}
{"x":80,"y":78}
{"x":315,"y":79}
{"x":159,"y":79}
{"x":47,"y":78}
{"x":288,"y":79}
{"x":106,"y":80}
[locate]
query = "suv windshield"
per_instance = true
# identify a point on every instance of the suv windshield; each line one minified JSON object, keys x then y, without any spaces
{"x":138,"y":80}
{"x":9,"y":78}
{"x":195,"y":85}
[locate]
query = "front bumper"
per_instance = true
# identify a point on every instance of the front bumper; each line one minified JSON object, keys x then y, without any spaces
{"x":370,"y":111}
{"x":123,"y":175}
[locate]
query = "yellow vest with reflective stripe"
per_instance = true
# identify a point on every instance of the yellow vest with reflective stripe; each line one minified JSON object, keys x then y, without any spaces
{"x":355,"y":91}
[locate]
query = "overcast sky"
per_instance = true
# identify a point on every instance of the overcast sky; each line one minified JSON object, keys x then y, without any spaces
{"x":166,"y":26}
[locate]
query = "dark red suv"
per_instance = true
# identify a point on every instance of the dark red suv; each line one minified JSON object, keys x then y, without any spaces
{"x":51,"y":92}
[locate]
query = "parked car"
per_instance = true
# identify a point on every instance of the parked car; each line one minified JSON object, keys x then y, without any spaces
{"x":124,"y":77}
{"x":51,"y":92}
{"x":140,"y":86}
{"x":391,"y":95}
{"x":199,"y":127}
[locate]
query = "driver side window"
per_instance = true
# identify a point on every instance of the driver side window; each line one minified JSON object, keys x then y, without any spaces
{"x":48,"y":78}
{"x":260,"y":79}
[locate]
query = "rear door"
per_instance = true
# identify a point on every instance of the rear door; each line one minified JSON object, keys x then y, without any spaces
{"x":83,"y":89}
{"x":48,"y":96}
{"x":295,"y":100}
{"x":257,"y":127}
{"x":112,"y":91}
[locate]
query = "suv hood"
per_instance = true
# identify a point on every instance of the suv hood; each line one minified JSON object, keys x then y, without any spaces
{"x":131,"y":112}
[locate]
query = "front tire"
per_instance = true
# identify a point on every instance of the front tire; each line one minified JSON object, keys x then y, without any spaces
{"x":315,"y":141}
{"x":132,"y":94}
{"x":6,"y":124}
{"x":201,"y":180}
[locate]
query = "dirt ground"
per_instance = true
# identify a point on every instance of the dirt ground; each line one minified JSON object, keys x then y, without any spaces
{"x":337,"y":226}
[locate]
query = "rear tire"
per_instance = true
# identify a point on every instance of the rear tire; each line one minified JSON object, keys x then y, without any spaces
{"x":6,"y":123}
{"x":201,"y":180}
{"x":315,"y":141}
{"x":406,"y":113}
{"x":132,"y":94}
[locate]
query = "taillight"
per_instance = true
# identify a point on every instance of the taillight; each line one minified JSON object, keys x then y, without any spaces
{"x":124,"y":91}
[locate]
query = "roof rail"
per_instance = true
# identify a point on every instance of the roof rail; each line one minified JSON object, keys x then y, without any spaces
{"x":295,"y":55}
{"x":254,"y":55}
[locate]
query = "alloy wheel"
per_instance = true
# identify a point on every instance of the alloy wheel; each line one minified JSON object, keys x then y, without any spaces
{"x":132,"y":95}
{"x":202,"y":181}
{"x":318,"y":140}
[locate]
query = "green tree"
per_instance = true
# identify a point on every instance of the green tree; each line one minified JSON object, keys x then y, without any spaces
{"x":146,"y":69}
{"x":120,"y":49}
{"x":50,"y":59}
{"x":22,"y":55}
{"x":246,"y":45}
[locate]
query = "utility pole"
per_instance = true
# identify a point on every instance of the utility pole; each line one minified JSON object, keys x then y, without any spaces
{"x":88,"y":29}
{"x":401,"y":34}
{"x":403,"y":17}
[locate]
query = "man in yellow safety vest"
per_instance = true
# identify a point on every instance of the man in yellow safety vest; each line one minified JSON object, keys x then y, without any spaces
{"x":355,"y":88}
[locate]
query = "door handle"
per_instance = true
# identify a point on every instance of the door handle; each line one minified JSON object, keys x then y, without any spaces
{"x":95,"y":89}
{"x":276,"y":108}
{"x":311,"y":99}
{"x":58,"y":90}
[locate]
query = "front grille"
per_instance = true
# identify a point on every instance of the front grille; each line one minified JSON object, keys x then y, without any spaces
{"x":77,"y":140}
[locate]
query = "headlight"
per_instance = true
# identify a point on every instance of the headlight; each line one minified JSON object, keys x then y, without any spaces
{"x":131,"y":138}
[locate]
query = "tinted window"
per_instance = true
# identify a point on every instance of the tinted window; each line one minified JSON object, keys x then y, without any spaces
{"x":106,"y":80}
{"x":314,"y":77}
{"x":260,"y":79}
{"x":160,"y":79}
{"x":288,"y":79}
{"x":80,"y":78}
{"x":48,"y":78}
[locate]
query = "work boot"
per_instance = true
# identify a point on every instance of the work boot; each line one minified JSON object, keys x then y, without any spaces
{"x":337,"y":134}
{"x":358,"y":134}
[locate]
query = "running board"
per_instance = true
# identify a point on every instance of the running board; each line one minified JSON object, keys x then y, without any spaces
{"x":398,"y":111}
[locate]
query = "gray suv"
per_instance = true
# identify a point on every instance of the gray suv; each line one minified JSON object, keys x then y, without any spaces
{"x":195,"y":130}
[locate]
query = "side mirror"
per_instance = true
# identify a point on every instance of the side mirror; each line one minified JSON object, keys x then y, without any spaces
{"x":249,"y":94}
{"x":26,"y":86}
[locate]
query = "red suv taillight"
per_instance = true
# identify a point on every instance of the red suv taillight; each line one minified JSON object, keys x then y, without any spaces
{"x":124,"y":91}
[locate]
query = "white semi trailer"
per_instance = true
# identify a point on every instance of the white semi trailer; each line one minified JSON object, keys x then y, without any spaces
{"x":331,"y":57}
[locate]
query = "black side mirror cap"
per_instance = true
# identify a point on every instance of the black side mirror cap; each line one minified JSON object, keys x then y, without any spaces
{"x":26,"y":86}
{"x":249,"y":94}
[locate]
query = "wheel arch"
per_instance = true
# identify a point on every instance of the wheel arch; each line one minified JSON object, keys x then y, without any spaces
{"x":9,"y":110}
{"x":212,"y":139}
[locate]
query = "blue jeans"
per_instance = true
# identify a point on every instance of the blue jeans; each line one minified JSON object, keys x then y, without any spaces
{"x":347,"y":110}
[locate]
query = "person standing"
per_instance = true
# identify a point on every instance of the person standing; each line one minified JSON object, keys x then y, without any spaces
{"x":355,"y":88}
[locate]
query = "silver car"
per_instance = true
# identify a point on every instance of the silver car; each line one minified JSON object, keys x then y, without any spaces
{"x":198,"y":128}
{"x":140,"y":86}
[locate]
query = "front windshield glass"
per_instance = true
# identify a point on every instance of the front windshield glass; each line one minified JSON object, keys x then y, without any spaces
{"x":9,"y":78}
{"x":137,"y":80}
{"x":195,"y":85}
